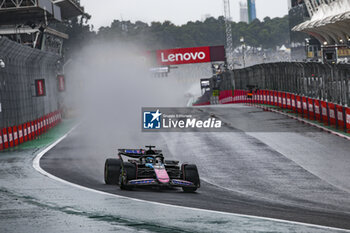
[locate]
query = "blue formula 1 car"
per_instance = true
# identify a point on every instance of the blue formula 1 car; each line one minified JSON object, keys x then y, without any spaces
{"x":148,"y":168}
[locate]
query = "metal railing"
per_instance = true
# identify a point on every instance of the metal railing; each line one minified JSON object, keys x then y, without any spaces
{"x":322,"y":81}
{"x":24,"y":65}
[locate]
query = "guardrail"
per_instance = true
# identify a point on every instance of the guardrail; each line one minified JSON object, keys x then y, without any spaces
{"x":310,"y":108}
{"x":315,"y":80}
{"x":18,"y":134}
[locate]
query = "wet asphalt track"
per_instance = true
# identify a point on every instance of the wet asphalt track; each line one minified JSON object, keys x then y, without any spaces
{"x":268,"y":166}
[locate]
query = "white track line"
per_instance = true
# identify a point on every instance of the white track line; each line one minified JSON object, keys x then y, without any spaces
{"x":36,"y":165}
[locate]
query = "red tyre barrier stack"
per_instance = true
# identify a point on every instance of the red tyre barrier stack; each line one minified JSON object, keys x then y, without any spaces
{"x":347,"y":114}
{"x":15,"y":135}
{"x":289,"y":101}
{"x":5,"y":138}
{"x":275,"y":98}
{"x":311,"y":109}
{"x":36,"y":128}
{"x":280,"y":103}
{"x":1,"y":141}
{"x":20,"y":134}
{"x":264,"y":97}
{"x":25,"y":132}
{"x":257,"y":97}
{"x":234,"y":96}
{"x":48,"y":121}
{"x":284,"y":100}
{"x":324,"y":112}
{"x":340,"y":116}
{"x":44,"y":124}
{"x":332,"y":118}
{"x":40,"y":126}
{"x":293,"y":102}
{"x":9,"y":132}
{"x":298,"y":104}
{"x":317,"y":110}
{"x":270,"y":98}
{"x":52,"y":119}
{"x":304,"y":107}
{"x":32,"y":129}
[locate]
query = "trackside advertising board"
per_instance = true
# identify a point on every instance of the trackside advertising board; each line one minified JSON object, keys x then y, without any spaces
{"x":190,"y":55}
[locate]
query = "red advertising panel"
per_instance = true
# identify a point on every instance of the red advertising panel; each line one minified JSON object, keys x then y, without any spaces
{"x":183,"y":56}
{"x":40,"y":87}
{"x":61,"y":83}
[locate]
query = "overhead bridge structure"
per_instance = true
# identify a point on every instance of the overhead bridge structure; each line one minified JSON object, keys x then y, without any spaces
{"x":329,"y":21}
{"x":34,"y":22}
{"x":17,"y":11}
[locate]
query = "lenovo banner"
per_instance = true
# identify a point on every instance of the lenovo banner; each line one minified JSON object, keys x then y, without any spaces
{"x":190,"y":55}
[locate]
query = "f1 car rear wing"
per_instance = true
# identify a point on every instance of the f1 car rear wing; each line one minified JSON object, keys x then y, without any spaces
{"x":136,"y":153}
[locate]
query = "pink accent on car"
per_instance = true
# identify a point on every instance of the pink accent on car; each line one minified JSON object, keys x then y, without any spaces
{"x":162,"y":175}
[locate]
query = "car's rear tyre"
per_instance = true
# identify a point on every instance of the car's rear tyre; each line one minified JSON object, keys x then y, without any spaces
{"x":112,"y":171}
{"x":128,"y":172}
{"x":190,"y":173}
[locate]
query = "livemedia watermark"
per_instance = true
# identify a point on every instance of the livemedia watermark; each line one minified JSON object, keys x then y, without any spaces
{"x":179,"y":120}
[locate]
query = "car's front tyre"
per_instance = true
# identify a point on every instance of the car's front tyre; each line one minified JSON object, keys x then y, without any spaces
{"x":112,"y":171}
{"x":190,"y":173}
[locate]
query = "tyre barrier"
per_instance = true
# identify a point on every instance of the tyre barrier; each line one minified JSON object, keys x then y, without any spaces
{"x":18,"y":134}
{"x":328,"y":113}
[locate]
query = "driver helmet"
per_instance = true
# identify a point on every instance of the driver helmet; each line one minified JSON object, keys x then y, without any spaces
{"x":149,"y":160}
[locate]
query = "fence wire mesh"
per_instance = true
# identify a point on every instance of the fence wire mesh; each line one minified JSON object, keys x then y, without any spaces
{"x":322,"y":81}
{"x":24,"y":65}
